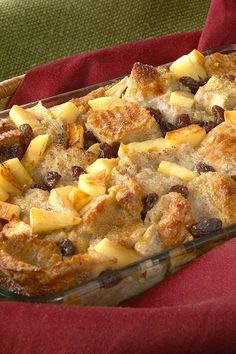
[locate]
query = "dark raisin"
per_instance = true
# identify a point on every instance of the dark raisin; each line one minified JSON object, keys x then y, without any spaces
{"x":52,"y":179}
{"x":192,"y":84}
{"x":148,"y":203}
{"x":26,"y":135}
{"x":233,"y":177}
{"x":189,"y":82}
{"x":15,"y":150}
{"x":109,"y":278}
{"x":179,"y":188}
{"x":230,"y":77}
{"x":209,"y":126}
{"x":77,"y":171}
{"x":205,"y":227}
{"x":164,"y":126}
{"x":200,"y":123}
{"x":42,"y":186}
{"x":182,"y":120}
{"x":89,"y":139}
{"x":108,"y":151}
{"x":67,"y":247}
{"x":203,"y":167}
{"x":218,"y":114}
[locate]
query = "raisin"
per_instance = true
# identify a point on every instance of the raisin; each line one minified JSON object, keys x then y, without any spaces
{"x":205,"y":227}
{"x":26,"y":135}
{"x":77,"y":171}
{"x":164,"y":126}
{"x":209,"y":126}
{"x":218,"y":114}
{"x":203,"y":167}
{"x":109,"y":278}
{"x":148,"y":203}
{"x":192,"y":84}
{"x":67,"y":247}
{"x":52,"y":179}
{"x":230,"y":77}
{"x":108,"y":151}
{"x":15,"y":150}
{"x":200,"y":123}
{"x":42,"y":186}
{"x":179,"y":188}
{"x":234,"y":178}
{"x":182,"y":120}
{"x":89,"y":139}
{"x":189,"y":82}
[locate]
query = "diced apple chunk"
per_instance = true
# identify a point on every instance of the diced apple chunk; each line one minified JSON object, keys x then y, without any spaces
{"x":118,"y":88}
{"x":8,"y":182}
{"x":106,"y":103}
{"x":103,"y":165}
{"x":34,"y":152}
{"x":75,"y":135}
{"x":67,"y":112}
{"x":230,"y":116}
{"x":123,"y":150}
{"x":196,"y":57}
{"x":191,"y":65}
{"x":78,"y":198}
{"x":192,"y":134}
{"x":182,"y":98}
{"x":20,"y":116}
{"x":18,"y":172}
{"x":148,"y":145}
{"x":172,"y":169}
{"x":42,"y":220}
{"x":7,"y":210}
{"x":93,"y":184}
{"x":3,"y":195}
{"x":59,"y":199}
{"x":94,"y":149}
{"x":123,"y":255}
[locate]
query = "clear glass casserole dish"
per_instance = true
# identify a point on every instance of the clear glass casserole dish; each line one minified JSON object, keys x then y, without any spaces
{"x":115,"y":286}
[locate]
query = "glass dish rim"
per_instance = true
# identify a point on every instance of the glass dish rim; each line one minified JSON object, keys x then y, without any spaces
{"x":7,"y":295}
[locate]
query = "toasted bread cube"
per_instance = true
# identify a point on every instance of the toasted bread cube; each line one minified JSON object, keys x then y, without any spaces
{"x":20,"y":116}
{"x":8,"y":182}
{"x":106,"y":103}
{"x":67,"y":112}
{"x":8,"y":211}
{"x":147,"y":146}
{"x":172,"y":169}
{"x":123,"y":150}
{"x":42,"y":220}
{"x":78,"y":198}
{"x":59,"y":199}
{"x":230,"y":116}
{"x":192,"y":134}
{"x":18,"y":172}
{"x":34,"y":152}
{"x":3,"y":195}
{"x":119,"y":88}
{"x":93,"y":184}
{"x":75,"y":135}
{"x":102,"y":165}
{"x":182,"y":98}
{"x":122,"y":254}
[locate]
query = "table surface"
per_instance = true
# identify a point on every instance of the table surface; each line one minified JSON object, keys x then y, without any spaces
{"x":38,"y":31}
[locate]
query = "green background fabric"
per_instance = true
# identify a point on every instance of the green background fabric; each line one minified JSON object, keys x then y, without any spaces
{"x":37,"y":31}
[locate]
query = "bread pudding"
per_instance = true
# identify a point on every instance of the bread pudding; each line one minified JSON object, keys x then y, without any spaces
{"x":127,"y":171}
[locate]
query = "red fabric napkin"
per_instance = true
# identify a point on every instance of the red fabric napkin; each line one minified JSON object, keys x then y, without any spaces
{"x":194,"y":311}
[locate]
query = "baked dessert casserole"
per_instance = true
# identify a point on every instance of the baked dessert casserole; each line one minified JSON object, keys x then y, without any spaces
{"x":127,"y":171}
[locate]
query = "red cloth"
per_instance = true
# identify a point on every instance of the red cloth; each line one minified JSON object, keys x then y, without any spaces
{"x":194,"y":311}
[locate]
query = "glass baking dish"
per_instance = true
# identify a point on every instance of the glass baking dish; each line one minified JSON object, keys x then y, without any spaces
{"x":112,"y":287}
